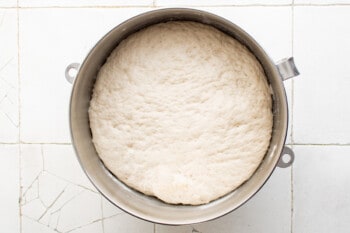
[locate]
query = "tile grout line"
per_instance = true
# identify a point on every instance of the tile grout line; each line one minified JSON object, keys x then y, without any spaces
{"x":19,"y":123}
{"x":157,"y":6}
{"x":322,"y":4}
{"x":47,"y":143}
{"x":317,"y":144}
{"x":292,"y":81}
{"x":69,"y":144}
{"x":18,"y":74}
{"x":78,"y":7}
{"x":102,"y":213}
{"x":292,"y":135}
{"x":228,"y":5}
{"x":321,"y":144}
{"x":154,"y":4}
{"x":35,"y":143}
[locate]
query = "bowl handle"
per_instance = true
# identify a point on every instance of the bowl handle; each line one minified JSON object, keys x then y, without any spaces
{"x":287,"y":69}
{"x":286,"y":158}
{"x":71,"y":72}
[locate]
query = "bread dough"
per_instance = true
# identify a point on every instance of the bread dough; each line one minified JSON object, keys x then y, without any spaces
{"x":181,"y":111}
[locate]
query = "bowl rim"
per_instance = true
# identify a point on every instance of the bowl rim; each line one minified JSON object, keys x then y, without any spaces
{"x":164,"y":219}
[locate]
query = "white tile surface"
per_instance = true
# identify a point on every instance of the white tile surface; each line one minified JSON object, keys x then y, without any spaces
{"x":108,"y":209}
{"x":55,"y":192}
{"x":321,"y":48}
{"x":321,"y":189}
{"x":91,"y":228}
{"x":62,"y":162}
{"x":333,"y":2}
{"x":58,"y":161}
{"x":50,"y":188}
{"x":83,"y":210}
{"x":274,"y":198}
{"x":271,"y":27}
{"x":127,"y":223}
{"x":32,"y":164}
{"x":8,"y":76}
{"x":84,"y":3}
{"x":219,"y":2}
{"x":31,"y":226}
{"x":8,"y":3}
{"x":9,"y":183}
{"x":49,"y":41}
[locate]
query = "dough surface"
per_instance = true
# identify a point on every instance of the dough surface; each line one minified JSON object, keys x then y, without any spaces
{"x":181,"y":111}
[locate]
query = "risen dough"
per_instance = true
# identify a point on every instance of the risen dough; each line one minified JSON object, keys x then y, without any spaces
{"x":181,"y":111}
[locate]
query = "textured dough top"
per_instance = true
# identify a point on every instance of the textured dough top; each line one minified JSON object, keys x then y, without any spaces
{"x":181,"y":111}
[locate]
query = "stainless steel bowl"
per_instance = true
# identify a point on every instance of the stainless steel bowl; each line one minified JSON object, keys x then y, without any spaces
{"x":147,"y":207}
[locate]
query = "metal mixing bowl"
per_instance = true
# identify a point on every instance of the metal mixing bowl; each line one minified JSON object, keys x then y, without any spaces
{"x":147,"y":207}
